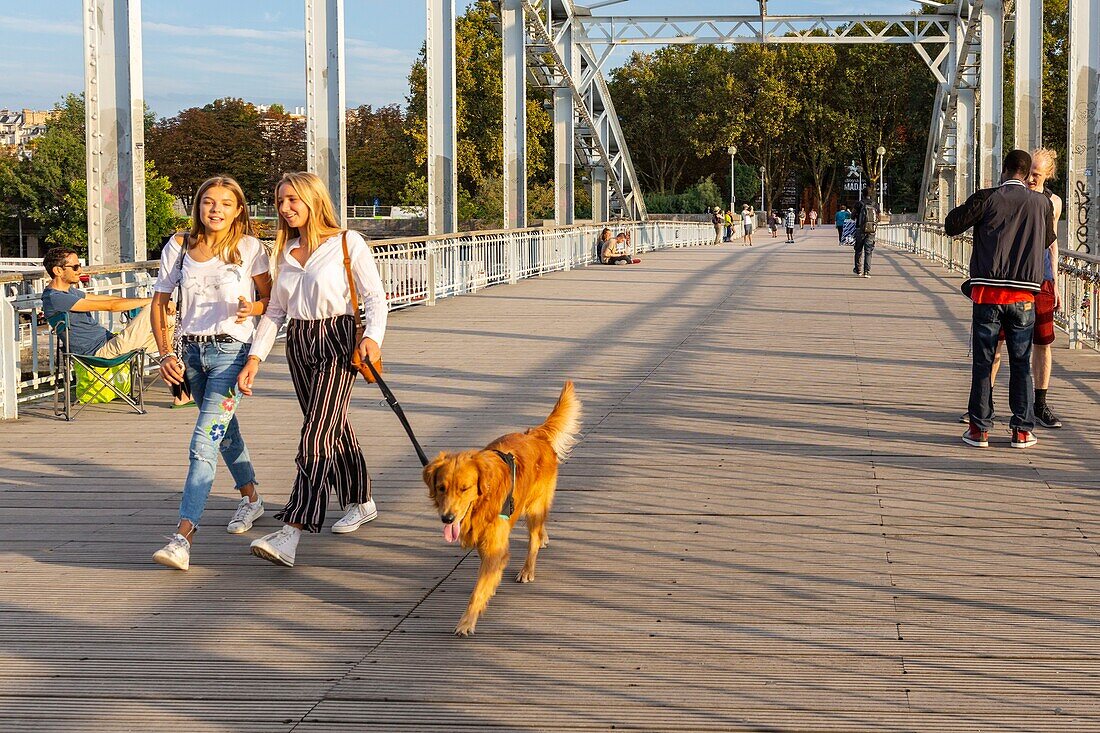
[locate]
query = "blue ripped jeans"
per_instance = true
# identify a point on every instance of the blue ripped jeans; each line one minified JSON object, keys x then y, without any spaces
{"x":212,"y":370}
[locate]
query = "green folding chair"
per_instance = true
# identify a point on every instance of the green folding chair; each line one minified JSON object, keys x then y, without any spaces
{"x":66,"y":362}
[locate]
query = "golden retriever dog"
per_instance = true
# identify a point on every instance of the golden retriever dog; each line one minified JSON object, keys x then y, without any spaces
{"x":470,"y":491}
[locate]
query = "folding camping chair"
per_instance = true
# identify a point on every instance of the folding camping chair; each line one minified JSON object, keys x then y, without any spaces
{"x":66,"y":361}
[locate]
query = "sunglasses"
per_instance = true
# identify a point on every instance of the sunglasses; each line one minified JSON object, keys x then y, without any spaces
{"x":74,"y":268}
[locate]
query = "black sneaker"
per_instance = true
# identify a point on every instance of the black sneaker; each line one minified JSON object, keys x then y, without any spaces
{"x":1047,"y":418}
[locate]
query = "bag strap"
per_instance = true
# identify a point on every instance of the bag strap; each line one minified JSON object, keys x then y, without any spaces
{"x":351,"y":284}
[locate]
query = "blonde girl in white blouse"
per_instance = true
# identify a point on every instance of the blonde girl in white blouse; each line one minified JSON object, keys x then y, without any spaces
{"x":312,"y":296}
{"x":224,"y":282}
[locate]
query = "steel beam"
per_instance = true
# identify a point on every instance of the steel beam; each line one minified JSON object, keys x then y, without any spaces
{"x":1083,"y":176}
{"x":965,"y":180}
{"x":763,"y":28}
{"x":442,"y":119}
{"x":114,"y":116}
{"x":561,"y":31}
{"x":1028,"y":101}
{"x":599,"y":192}
{"x":325,"y":109}
{"x":991,"y":83}
{"x":515,"y":113}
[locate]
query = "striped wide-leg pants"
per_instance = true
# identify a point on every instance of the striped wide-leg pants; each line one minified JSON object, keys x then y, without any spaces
{"x":329,"y":456}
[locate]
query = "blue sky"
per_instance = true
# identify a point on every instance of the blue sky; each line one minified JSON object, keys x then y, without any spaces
{"x":200,"y":50}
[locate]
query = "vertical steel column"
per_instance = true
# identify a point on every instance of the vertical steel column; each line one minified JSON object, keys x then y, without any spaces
{"x":114,"y":117}
{"x":1028,"y":104}
{"x":564,"y":127}
{"x":991,"y":106}
{"x":325,"y":114}
{"x":1083,"y":178}
{"x":515,"y":113}
{"x":442,"y":119}
{"x":600,"y":196}
{"x":965,"y":180}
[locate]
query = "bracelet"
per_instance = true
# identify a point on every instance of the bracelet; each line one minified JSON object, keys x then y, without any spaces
{"x":169,"y":354}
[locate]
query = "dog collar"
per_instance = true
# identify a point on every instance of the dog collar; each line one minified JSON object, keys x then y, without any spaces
{"x":509,"y":501}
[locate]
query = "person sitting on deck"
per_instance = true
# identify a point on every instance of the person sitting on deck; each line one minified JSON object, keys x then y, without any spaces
{"x":614,"y":251}
{"x":85,"y":334}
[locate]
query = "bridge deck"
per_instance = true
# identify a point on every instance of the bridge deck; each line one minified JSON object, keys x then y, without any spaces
{"x":771,"y":524}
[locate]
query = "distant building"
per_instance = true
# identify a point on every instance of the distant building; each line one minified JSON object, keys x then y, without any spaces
{"x":19,"y":128}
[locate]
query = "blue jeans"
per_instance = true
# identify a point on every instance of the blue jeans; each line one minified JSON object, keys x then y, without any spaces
{"x":1018,"y":322}
{"x":212,"y":370}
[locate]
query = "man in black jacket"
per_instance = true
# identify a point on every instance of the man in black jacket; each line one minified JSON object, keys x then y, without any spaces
{"x":1013,"y":226}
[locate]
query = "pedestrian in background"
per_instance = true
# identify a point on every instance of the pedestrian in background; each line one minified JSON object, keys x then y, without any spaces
{"x":788,"y":222}
{"x":842,"y":216}
{"x":748,"y":221}
{"x":813,"y":218}
{"x":716,"y":219}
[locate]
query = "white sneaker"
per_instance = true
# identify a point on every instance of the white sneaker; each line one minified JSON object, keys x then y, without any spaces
{"x":357,"y":516}
{"x":247,"y":513}
{"x":176,"y":554}
{"x":278,"y":547}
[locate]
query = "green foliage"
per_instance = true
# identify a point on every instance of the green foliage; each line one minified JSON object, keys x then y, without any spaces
{"x":696,"y":199}
{"x":798,"y":110}
{"x":380,"y":155}
{"x":50,"y":190}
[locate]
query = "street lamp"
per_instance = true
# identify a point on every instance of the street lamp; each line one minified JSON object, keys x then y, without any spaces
{"x":732,"y":150}
{"x":763,"y":196}
{"x":881,"y":175}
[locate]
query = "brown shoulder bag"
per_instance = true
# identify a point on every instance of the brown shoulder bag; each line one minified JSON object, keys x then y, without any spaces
{"x":369,"y":371}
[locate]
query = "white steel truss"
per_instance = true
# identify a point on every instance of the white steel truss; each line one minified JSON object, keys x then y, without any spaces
{"x":828,"y":29}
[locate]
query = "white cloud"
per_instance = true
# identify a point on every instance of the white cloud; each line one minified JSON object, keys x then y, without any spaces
{"x":36,"y":25}
{"x":220,"y":32}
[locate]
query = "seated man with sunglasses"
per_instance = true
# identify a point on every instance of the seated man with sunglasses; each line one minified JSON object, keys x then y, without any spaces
{"x":86,"y":334}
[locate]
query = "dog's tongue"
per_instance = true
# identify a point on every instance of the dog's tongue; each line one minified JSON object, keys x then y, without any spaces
{"x":450,"y":531}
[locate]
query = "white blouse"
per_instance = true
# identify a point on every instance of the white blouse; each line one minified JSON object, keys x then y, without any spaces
{"x":211,"y":288}
{"x":320,"y":290}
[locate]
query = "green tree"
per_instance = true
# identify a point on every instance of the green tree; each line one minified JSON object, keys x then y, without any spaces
{"x":380,"y":154}
{"x":676,"y":107}
{"x":222,"y":138}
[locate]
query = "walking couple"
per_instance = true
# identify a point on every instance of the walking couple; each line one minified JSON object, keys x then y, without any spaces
{"x":224,"y":280}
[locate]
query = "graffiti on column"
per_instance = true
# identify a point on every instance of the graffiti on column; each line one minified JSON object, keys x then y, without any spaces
{"x":1079,"y":224}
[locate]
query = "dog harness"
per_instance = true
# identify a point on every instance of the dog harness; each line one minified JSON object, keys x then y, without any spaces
{"x":509,"y":501}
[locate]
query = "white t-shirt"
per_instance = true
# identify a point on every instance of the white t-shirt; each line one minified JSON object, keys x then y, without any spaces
{"x":320,"y":290}
{"x":211,"y":288}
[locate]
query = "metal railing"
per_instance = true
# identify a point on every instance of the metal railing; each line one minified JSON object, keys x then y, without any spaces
{"x":415,"y":270}
{"x":262,"y":211}
{"x":1078,"y":275}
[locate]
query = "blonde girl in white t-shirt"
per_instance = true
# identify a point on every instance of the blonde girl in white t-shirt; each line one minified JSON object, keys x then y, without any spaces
{"x":221,"y":271}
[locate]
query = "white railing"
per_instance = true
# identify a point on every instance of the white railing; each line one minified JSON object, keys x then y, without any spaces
{"x":416,"y":270}
{"x":1078,"y":275}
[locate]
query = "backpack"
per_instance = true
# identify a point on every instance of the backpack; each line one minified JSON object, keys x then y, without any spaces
{"x":868,"y":218}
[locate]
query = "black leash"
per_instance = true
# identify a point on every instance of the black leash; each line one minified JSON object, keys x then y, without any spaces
{"x":392,"y":401}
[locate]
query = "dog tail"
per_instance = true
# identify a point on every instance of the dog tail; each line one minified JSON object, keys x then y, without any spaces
{"x":561,"y":428}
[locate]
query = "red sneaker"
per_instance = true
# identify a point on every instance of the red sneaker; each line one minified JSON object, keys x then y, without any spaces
{"x":1023,"y":438}
{"x":976,"y":437}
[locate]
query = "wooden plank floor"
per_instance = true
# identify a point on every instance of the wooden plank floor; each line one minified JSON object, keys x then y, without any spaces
{"x":770,"y":524}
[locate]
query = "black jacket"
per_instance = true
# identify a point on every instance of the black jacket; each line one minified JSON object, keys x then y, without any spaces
{"x":1013,"y":226}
